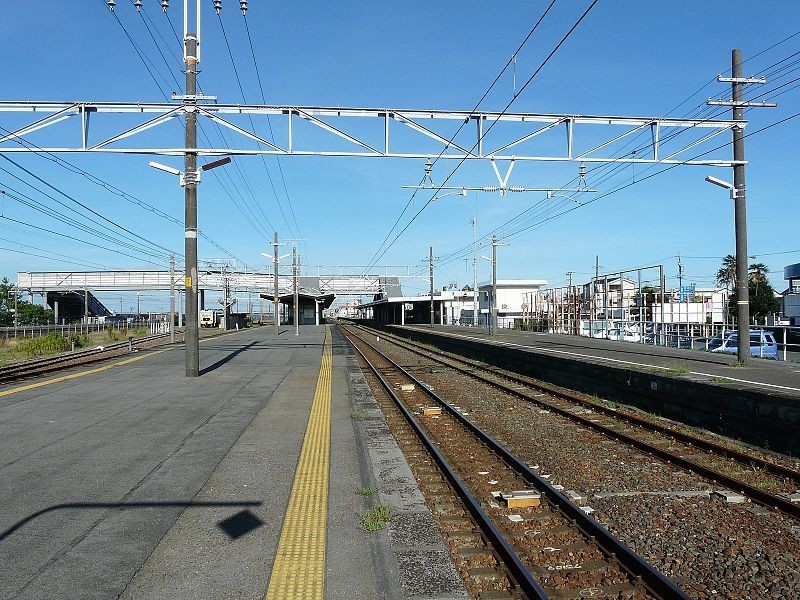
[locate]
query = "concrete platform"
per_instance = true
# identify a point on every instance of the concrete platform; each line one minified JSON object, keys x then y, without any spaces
{"x":777,"y":377}
{"x":136,"y":482}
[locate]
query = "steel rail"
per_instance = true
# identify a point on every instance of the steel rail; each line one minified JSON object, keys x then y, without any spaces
{"x":520,"y":574}
{"x":759,"y":496}
{"x":634,"y":564}
{"x":698,"y":442}
{"x":53,"y":363}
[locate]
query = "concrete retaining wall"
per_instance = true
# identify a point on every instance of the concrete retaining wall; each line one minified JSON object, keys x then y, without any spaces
{"x":754,"y":417}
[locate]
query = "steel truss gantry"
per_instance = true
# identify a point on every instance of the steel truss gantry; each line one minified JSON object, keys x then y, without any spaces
{"x":335,"y":121}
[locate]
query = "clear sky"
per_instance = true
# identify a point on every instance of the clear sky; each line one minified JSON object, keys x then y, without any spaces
{"x":626,"y":58}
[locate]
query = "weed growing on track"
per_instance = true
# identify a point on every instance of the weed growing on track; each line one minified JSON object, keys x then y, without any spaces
{"x":367,"y":491}
{"x":376,"y":518}
{"x":718,"y":379}
{"x":358,"y":414}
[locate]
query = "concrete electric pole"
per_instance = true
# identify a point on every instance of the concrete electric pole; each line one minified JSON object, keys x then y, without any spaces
{"x":430,"y":265}
{"x":171,"y":298}
{"x":738,"y":81}
{"x":493,"y":329}
{"x":295,"y":266}
{"x":276,"y":307}
{"x":192,"y":331}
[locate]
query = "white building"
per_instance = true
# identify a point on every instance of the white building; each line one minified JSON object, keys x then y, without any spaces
{"x":610,"y":298}
{"x":704,"y":306}
{"x":457,"y":306}
{"x":515,"y":298}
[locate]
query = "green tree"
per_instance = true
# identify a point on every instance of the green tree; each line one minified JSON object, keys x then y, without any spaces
{"x":726,"y":276}
{"x":7,"y":303}
{"x":757,"y":274}
{"x":27,"y":312}
{"x":762,"y":295}
{"x":33,"y":314}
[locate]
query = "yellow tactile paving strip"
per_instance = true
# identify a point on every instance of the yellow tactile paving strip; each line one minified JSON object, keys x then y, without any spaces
{"x":299,"y":569}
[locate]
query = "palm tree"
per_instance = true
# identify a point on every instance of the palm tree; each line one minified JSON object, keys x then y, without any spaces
{"x":727,"y":273}
{"x":758,"y":274}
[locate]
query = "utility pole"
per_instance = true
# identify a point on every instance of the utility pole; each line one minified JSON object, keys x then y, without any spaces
{"x":680,"y":293}
{"x":430,"y":266}
{"x":225,"y":299}
{"x":569,"y":302}
{"x":738,"y":81}
{"x":172,"y":298}
{"x":192,"y":333}
{"x":295,"y":265}
{"x":475,"y":266}
{"x":276,"y":306}
{"x":494,"y":285}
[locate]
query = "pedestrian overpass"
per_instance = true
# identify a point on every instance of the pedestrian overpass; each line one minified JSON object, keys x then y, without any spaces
{"x":339,"y":281}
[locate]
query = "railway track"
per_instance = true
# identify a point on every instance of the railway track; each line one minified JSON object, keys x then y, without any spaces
{"x":49,"y":364}
{"x":511,"y":532}
{"x":721,"y":464}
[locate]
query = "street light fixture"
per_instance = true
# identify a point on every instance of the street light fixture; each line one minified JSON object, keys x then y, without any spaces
{"x":723,"y":184}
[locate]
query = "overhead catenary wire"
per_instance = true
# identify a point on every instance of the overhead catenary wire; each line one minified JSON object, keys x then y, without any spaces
{"x":252,"y":219}
{"x":269,"y":124}
{"x":505,"y":109}
{"x":618,"y":166}
{"x":87,"y":208}
{"x":75,"y":239}
{"x":252,"y":124}
{"x":510,"y":61}
{"x":113,"y":189}
{"x":30,"y":202}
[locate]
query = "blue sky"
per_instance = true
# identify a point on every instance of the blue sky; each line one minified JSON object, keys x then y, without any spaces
{"x":626,"y":58}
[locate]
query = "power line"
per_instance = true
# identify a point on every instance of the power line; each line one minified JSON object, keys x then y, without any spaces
{"x":81,"y":204}
{"x":31,"y":203}
{"x":73,"y":238}
{"x":374,"y":260}
{"x":244,"y":99}
{"x":524,"y":86}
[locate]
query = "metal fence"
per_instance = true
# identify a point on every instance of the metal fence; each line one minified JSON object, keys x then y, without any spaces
{"x":32,"y":331}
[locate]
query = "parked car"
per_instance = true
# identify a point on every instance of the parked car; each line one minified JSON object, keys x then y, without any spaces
{"x":762,"y":343}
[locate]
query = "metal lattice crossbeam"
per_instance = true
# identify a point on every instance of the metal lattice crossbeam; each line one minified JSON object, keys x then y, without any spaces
{"x":333,"y":124}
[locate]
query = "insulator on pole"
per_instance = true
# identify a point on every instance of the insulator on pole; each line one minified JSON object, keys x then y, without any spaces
{"x":138,"y":5}
{"x":111,"y":5}
{"x":165,"y":5}
{"x":218,"y":6}
{"x":243,"y":6}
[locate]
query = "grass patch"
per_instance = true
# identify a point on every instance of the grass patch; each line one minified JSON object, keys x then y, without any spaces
{"x":22,"y":348}
{"x":52,"y":343}
{"x":737,"y":363}
{"x":376,"y":518}
{"x":367,"y":491}
{"x":358,"y":414}
{"x":675,"y":371}
{"x":718,"y":379}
